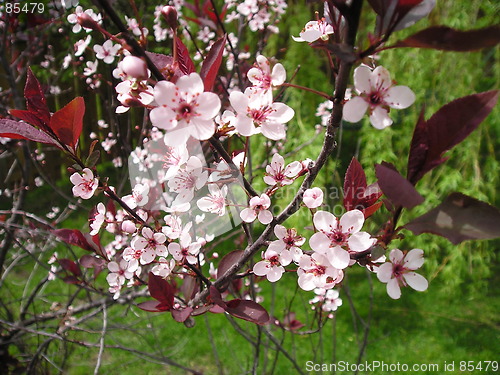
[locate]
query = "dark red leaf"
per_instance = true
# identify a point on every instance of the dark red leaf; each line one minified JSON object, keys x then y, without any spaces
{"x":189,"y":287}
{"x":216,"y":297}
{"x":227,"y":261}
{"x":397,"y":188}
{"x":450,"y":125}
{"x":21,"y":130}
{"x":181,"y":315}
{"x":447,"y":39}
{"x":248,"y":310}
{"x":28,"y":117}
{"x":459,"y":218}
{"x":70,"y":266}
{"x":67,"y":123}
{"x":186,"y":65}
{"x":356,"y":194}
{"x":71,"y":280}
{"x":35,"y":99}
{"x":211,"y":64}
{"x":161,"y":290}
{"x":73,"y":237}
{"x":151,"y":306}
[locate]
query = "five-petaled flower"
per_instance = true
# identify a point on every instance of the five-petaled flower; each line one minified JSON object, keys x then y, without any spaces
{"x":376,"y":94}
{"x":314,"y":30}
{"x":288,"y":240}
{"x":400,"y":272}
{"x":85,"y":184}
{"x":278,"y":174}
{"x":334,"y":235}
{"x":272,"y":264}
{"x":150,"y":244}
{"x":185,"y":108}
{"x":263,"y":78}
{"x":258,"y":209}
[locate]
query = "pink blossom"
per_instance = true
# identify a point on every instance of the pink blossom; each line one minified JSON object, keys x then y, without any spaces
{"x":85,"y":184}
{"x":163,"y":267}
{"x":79,"y":15}
{"x":313,"y":198}
{"x":263,"y":78}
{"x":139,"y":196}
{"x":134,"y":67}
{"x":185,"y":249}
{"x":258,"y":209}
{"x":334,"y":235}
{"x":399,"y":272}
{"x":278,"y":174}
{"x":185,"y":107}
{"x":328,"y":299}
{"x":98,"y":220}
{"x":272,"y":265}
{"x":314,"y":30}
{"x":215,"y":202}
{"x":376,"y":94}
{"x":151,"y":244}
{"x":256,"y":113}
{"x":107,"y":52}
{"x":119,"y":272}
{"x":288,"y":240}
{"x":315,"y":271}
{"x":188,"y":179}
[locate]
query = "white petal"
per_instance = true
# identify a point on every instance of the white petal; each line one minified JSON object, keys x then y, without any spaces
{"x":273,"y":131}
{"x":352,"y":221}
{"x":393,"y":289}
{"x":380,"y":119}
{"x":384,"y":272}
{"x":278,"y":75}
{"x":244,"y":125}
{"x":338,"y":257}
{"x":319,"y":242}
{"x":248,"y":215}
{"x":275,"y":274}
{"x":261,"y":268}
{"x":354,"y":109}
{"x":416,"y":281}
{"x":163,"y":118}
{"x":414,"y":259}
{"x":362,"y":79}
{"x":396,"y":256}
{"x":324,"y":220}
{"x":306,"y":281}
{"x":277,"y":246}
{"x":165,"y":93}
{"x":399,"y":97}
{"x":239,"y":101}
{"x":280,"y":231}
{"x":380,"y":79}
{"x":202,"y":129}
{"x":191,"y":84}
{"x":208,"y":105}
{"x":360,"y":241}
{"x":265,"y":216}
{"x":282,"y":113}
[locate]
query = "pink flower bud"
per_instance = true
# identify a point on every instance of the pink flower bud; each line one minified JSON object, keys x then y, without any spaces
{"x":170,"y":15}
{"x":128,"y":226}
{"x":134,"y":67}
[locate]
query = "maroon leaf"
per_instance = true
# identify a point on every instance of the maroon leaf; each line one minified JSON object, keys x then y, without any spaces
{"x":459,"y":218}
{"x":70,"y":266}
{"x":216,"y":297}
{"x":28,"y":117}
{"x":356,"y":194}
{"x":21,"y":130}
{"x":73,"y":237}
{"x":186,"y":65}
{"x":35,"y":99}
{"x":211,"y":64}
{"x":189,"y":287}
{"x":447,"y":39}
{"x":397,"y":188}
{"x":181,"y":315}
{"x":397,"y":14}
{"x":162,"y":291}
{"x":248,"y":310}
{"x":71,"y":280}
{"x":450,"y":125}
{"x":227,"y":261}
{"x":67,"y":123}
{"x":151,"y":306}
{"x":90,"y":261}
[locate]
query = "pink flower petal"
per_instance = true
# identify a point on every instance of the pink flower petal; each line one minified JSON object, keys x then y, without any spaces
{"x":352,"y":221}
{"x":399,"y":97}
{"x":319,"y":242}
{"x":384,"y":272}
{"x":393,"y":289}
{"x":380,"y":119}
{"x":262,"y":268}
{"x":324,"y":221}
{"x":274,"y":132}
{"x":362,"y":79}
{"x":360,"y":241}
{"x":396,"y":256}
{"x":248,"y":215}
{"x":265,"y":217}
{"x":338,"y":257}
{"x":416,"y":281}
{"x":354,"y":109}
{"x":414,"y":259}
{"x":275,"y":274}
{"x":380,"y":79}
